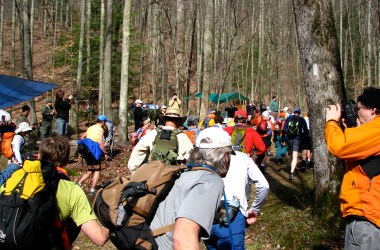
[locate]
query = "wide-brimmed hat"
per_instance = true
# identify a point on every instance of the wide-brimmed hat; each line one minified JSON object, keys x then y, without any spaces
{"x":173,"y":112}
{"x":23,"y":127}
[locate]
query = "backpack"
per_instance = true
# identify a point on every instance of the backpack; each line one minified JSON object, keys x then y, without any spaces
{"x":191,"y":135}
{"x":262,"y":127}
{"x":293,"y":126}
{"x":206,"y":122}
{"x":6,"y":144}
{"x":28,"y":208}
{"x":127,"y":207}
{"x":237,"y":138}
{"x":165,"y":146}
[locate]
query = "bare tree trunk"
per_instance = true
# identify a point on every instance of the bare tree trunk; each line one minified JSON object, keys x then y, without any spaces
{"x":123,"y":108}
{"x":80,"y":66}
{"x":31,"y":22}
{"x":369,"y":39}
{"x":107,"y":63}
{"x":88,"y":36}
{"x":323,"y":81}
{"x":180,"y":47}
{"x":13,"y":47}
{"x":200,"y":49}
{"x":208,"y":62}
{"x":1,"y":31}
{"x":142,"y":38}
{"x":101,"y":59}
{"x":55,"y":31}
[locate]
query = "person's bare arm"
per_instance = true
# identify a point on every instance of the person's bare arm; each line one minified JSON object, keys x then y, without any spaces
{"x":95,"y":232}
{"x":101,"y":144}
{"x":186,"y":234}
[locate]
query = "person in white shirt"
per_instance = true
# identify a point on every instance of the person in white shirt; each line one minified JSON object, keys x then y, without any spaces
{"x":18,"y":142}
{"x":241,"y":167}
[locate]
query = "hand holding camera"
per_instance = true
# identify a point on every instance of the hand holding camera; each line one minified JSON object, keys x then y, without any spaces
{"x":333,"y":112}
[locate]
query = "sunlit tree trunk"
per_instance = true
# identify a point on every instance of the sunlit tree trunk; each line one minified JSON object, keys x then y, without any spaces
{"x":88,"y":36}
{"x":80,"y":65}
{"x":107,"y":62}
{"x":123,"y":110}
{"x":323,"y":82}
{"x":1,"y":30}
{"x":369,"y":39}
{"x":101,"y":58}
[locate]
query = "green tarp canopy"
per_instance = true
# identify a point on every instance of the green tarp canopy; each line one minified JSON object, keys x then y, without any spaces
{"x":226,"y":97}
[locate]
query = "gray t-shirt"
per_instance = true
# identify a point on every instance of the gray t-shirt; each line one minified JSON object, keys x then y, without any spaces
{"x":195,"y":196}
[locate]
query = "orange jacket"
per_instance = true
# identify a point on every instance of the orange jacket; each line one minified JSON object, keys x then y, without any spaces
{"x":358,"y":196}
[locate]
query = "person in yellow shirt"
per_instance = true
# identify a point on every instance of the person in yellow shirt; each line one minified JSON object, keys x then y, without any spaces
{"x":94,"y":149}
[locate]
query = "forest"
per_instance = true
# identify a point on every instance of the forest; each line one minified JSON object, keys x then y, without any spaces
{"x":108,"y":53}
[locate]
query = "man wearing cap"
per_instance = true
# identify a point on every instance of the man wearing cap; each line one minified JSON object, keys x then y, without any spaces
{"x":252,"y":139}
{"x":295,"y":128}
{"x":194,"y":198}
{"x":93,"y":140}
{"x":138,"y":113}
{"x":359,"y":147}
{"x":48,"y":112}
{"x":144,"y":148}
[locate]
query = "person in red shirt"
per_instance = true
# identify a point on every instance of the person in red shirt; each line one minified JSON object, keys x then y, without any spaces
{"x":252,"y":139}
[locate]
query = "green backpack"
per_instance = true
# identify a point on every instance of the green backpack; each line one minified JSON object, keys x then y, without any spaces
{"x":165,"y":146}
{"x":237,"y":138}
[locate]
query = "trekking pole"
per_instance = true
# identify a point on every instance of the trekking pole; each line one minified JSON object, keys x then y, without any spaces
{"x":228,"y":221}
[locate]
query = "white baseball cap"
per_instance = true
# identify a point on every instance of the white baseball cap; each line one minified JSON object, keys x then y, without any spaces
{"x":138,"y":101}
{"x":218,"y":138}
{"x":286,"y":109}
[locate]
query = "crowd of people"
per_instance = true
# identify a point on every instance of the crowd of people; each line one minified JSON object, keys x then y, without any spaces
{"x":231,"y":151}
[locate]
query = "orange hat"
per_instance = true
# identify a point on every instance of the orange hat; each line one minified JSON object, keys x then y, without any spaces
{"x":240,"y":114}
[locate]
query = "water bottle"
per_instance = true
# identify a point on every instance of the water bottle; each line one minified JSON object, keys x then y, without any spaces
{"x":233,"y":209}
{"x":120,"y":215}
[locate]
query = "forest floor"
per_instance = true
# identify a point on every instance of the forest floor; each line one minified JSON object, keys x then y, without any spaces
{"x":286,"y":221}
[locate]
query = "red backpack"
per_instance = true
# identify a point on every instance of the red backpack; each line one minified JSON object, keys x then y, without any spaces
{"x":262,"y":127}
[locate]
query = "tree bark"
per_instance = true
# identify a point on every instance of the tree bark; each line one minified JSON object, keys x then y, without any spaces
{"x":101,"y":58}
{"x":1,"y":30}
{"x":123,"y":108}
{"x":107,"y":63}
{"x":323,"y":81}
{"x":80,"y":65}
{"x":88,"y":36}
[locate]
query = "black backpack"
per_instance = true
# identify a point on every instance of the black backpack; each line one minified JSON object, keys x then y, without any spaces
{"x":293,"y":126}
{"x":29,"y":222}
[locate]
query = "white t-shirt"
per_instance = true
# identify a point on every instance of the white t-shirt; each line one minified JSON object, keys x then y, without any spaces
{"x":18,"y":144}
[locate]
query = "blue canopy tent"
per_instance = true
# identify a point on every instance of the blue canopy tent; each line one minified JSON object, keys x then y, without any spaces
{"x":14,"y":90}
{"x":226,"y":97}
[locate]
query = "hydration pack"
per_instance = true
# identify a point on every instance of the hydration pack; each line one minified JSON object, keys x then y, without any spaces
{"x":237,"y":138}
{"x":165,"y":146}
{"x":293,"y":126}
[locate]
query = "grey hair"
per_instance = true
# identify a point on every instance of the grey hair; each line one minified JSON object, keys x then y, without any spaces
{"x":213,"y":157}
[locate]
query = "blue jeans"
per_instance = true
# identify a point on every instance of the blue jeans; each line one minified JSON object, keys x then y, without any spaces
{"x":280,"y":150}
{"x":361,"y":235}
{"x":220,"y":236}
{"x":61,"y":126}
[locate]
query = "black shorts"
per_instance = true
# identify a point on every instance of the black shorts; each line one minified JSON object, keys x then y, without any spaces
{"x":267,"y":141}
{"x":87,"y":155}
{"x":293,"y":145}
{"x":306,"y":144}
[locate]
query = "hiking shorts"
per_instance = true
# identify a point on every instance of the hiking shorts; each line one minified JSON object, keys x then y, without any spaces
{"x":267,"y":141}
{"x":294,"y":145}
{"x":306,"y":144}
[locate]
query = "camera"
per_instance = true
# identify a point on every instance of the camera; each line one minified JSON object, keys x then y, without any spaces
{"x":349,"y":113}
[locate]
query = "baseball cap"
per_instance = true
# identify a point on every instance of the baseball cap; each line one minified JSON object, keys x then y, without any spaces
{"x":286,"y":109}
{"x":49,"y":101}
{"x":163,"y":107}
{"x":265,"y":113}
{"x":138,"y":101}
{"x":297,"y":110}
{"x":218,"y":138}
{"x":240,"y":114}
{"x":102,"y":118}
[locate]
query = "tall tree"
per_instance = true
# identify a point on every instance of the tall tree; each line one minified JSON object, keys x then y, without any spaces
{"x":88,"y":36}
{"x":323,"y":81}
{"x":1,"y":30}
{"x":123,"y":110}
{"x":80,"y":65}
{"x":101,"y":58}
{"x":107,"y":63}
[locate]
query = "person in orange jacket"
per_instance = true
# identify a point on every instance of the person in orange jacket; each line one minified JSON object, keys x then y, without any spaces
{"x":360,"y":148}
